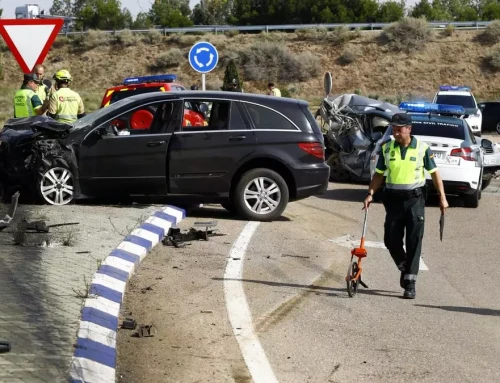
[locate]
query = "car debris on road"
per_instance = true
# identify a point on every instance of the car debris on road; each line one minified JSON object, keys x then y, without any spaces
{"x":177,"y":239}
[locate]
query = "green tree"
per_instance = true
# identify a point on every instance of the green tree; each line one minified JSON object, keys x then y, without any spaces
{"x":211,"y":12}
{"x":391,"y":11}
{"x":142,"y":21}
{"x":104,"y":14}
{"x":171,"y":13}
{"x":491,"y":11}
{"x":436,"y":11}
{"x":231,"y":73}
{"x":61,"y":8}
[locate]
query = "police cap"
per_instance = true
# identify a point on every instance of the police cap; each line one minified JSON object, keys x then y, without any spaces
{"x":401,"y":119}
{"x":31,"y":77}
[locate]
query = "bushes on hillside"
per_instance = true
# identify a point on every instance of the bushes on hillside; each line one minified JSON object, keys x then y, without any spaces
{"x":266,"y":61}
{"x":95,"y":38}
{"x":493,"y":58}
{"x":348,"y":55}
{"x":409,"y":34}
{"x":171,"y":58}
{"x":153,"y":36}
{"x":491,"y":34}
{"x":126,"y":38}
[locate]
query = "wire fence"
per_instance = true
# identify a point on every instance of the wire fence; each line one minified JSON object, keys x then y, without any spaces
{"x":474,"y":25}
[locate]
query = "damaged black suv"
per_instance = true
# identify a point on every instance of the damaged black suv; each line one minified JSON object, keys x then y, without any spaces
{"x":251,"y":153}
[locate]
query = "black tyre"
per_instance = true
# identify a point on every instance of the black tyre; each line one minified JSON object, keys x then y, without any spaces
{"x":472,"y":200}
{"x":337,"y":172}
{"x":229,"y":206}
{"x":497,"y":127}
{"x":261,"y":195}
{"x":55,"y":185}
{"x":352,"y":285}
{"x":486,"y":183}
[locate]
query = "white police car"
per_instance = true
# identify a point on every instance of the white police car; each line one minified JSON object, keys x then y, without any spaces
{"x":457,"y":152}
{"x":462,"y":95}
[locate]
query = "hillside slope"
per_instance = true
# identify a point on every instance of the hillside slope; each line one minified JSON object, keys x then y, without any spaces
{"x":97,"y":63}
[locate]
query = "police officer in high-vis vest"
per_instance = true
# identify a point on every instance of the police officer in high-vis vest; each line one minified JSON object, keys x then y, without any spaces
{"x":405,"y":158}
{"x":26,"y":101}
{"x":65,"y":105}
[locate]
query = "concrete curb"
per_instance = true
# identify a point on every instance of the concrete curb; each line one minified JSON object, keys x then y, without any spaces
{"x":94,"y":359}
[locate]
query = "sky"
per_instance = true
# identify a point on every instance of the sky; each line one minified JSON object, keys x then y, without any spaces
{"x":134,"y":6}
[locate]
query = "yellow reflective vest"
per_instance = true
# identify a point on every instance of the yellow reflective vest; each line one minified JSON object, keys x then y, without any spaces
{"x":404,"y":174}
{"x":67,"y":103}
{"x":22,"y":103}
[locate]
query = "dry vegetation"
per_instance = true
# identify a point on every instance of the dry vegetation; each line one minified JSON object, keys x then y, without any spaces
{"x":406,"y":60}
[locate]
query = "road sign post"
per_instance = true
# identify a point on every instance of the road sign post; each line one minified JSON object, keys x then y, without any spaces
{"x":30,"y":40}
{"x":203,"y":58}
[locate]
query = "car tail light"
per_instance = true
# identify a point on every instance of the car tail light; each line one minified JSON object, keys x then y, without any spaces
{"x":315,"y":149}
{"x":465,"y":153}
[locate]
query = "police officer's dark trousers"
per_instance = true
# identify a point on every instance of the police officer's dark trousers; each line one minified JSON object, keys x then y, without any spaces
{"x":405,"y":212}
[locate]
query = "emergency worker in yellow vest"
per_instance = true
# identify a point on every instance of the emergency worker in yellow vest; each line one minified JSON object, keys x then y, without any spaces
{"x":26,"y":101}
{"x":405,"y":158}
{"x":65,"y":105}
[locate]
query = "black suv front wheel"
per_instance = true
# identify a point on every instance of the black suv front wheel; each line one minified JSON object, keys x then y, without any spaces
{"x":261,"y":195}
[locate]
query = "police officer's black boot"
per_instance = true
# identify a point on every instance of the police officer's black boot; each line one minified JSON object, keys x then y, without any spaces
{"x":402,"y":268}
{"x":410,"y":291}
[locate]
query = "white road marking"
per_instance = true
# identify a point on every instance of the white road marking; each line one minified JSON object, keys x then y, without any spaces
{"x":351,"y":243}
{"x":239,"y":312}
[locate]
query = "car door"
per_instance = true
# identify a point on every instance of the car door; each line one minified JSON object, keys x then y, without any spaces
{"x":203,"y":156}
{"x":116,"y":158}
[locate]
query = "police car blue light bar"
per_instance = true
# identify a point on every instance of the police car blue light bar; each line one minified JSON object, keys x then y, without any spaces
{"x":454,"y":87}
{"x":427,"y":107}
{"x":146,"y":79}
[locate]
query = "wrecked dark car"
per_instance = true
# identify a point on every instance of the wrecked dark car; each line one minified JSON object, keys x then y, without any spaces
{"x":253,"y":153}
{"x":34,"y":157}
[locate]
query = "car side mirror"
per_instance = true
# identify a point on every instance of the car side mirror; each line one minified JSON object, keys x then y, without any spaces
{"x":487,"y":144}
{"x":481,"y":106}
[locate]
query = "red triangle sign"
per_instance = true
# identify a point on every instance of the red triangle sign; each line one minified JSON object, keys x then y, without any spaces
{"x":29,"y":40}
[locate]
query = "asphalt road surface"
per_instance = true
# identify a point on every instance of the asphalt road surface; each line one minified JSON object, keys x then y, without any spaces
{"x":267,"y":302}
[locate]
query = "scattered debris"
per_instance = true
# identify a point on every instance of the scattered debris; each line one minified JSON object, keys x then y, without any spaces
{"x":176,"y":238}
{"x":82,"y":252}
{"x":295,"y":256}
{"x":129,"y":324}
{"x":4,"y":346}
{"x":143,"y":290}
{"x":146,"y":331}
{"x":206,"y":311}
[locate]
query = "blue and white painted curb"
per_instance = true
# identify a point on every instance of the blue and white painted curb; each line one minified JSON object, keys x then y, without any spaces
{"x":94,"y":359}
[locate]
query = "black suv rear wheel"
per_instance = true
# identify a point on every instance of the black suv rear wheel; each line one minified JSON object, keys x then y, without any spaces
{"x":261,"y":195}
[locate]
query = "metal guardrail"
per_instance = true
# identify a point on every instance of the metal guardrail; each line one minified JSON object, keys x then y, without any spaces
{"x":291,"y":27}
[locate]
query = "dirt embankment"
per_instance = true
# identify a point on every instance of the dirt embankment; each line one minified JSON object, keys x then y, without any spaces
{"x":374,"y":70}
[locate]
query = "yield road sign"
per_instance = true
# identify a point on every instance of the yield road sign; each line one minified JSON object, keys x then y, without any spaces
{"x":29,"y":40}
{"x":203,"y":57}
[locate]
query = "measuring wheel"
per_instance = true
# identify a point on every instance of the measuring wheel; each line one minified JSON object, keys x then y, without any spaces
{"x":352,"y":282}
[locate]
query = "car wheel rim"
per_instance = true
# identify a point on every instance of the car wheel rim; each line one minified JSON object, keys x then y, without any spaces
{"x":262,"y":195}
{"x":56,"y":186}
{"x":498,"y":127}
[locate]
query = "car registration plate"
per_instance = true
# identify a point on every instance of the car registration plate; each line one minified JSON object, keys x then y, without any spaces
{"x":439,"y":155}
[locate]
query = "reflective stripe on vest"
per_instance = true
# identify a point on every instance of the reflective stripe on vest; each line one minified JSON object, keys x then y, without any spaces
{"x":22,"y":103}
{"x":67,"y":105}
{"x":404,"y":174}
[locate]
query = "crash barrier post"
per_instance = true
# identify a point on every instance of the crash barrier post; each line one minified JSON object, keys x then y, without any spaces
{"x":94,"y":358}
